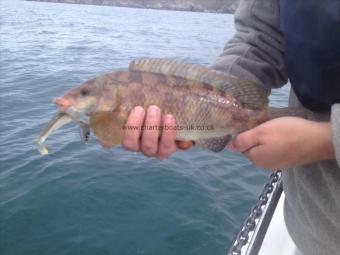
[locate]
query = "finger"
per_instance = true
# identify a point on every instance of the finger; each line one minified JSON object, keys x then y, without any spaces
{"x":258,"y":155}
{"x":184,"y":145}
{"x":167,"y":144}
{"x":244,"y":141}
{"x":132,"y":131}
{"x":150,"y":135}
{"x":260,"y":158}
{"x":105,"y":145}
{"x":253,"y":154}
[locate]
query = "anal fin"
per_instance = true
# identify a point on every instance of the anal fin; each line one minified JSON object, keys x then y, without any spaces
{"x":215,"y":144}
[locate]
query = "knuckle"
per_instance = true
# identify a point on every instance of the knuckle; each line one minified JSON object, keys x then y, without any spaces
{"x":167,"y":146}
{"x":149,"y":148}
{"x":130,"y":145}
{"x":167,"y":151}
{"x":237,"y":143}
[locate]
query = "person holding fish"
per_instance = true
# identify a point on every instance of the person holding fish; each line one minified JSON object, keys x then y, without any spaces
{"x":157,"y":105}
{"x":277,"y":40}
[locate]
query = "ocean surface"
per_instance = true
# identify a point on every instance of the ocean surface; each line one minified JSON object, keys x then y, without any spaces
{"x":82,"y":199}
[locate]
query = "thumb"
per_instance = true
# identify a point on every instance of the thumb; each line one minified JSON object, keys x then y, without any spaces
{"x":243,"y":141}
{"x":184,"y":145}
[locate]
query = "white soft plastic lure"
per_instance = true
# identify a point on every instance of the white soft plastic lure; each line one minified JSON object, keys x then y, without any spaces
{"x":58,"y":121}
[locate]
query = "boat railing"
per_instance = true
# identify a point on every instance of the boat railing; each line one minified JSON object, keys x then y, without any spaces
{"x":249,"y":239}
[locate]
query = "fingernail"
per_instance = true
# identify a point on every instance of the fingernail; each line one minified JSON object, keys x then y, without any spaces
{"x":153,"y":110}
{"x":138,"y":110}
{"x":168,"y":118}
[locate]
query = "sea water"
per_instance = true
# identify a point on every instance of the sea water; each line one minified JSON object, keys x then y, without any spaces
{"x":82,"y":199}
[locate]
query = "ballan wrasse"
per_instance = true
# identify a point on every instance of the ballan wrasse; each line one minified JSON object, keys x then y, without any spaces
{"x":209,"y":106}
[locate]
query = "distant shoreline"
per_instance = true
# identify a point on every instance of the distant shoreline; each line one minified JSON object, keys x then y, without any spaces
{"x":209,"y":6}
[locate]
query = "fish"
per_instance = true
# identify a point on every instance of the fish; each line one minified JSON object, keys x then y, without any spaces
{"x":210,"y":107}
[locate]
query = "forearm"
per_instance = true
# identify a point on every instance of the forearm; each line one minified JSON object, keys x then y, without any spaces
{"x":256,"y":50}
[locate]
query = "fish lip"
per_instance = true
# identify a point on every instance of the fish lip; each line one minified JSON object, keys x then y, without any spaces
{"x":65,"y":106}
{"x":62,"y":103}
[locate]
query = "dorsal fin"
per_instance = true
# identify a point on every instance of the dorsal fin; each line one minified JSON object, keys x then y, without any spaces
{"x":246,"y":92}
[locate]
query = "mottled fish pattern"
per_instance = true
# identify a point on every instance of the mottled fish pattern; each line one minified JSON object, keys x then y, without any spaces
{"x":209,"y":106}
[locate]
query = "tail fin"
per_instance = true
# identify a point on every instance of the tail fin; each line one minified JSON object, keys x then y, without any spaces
{"x":287,"y":111}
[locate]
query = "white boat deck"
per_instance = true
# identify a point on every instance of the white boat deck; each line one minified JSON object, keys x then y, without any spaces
{"x":277,"y":239}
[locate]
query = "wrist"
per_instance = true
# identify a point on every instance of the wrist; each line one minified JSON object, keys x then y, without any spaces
{"x":321,"y":136}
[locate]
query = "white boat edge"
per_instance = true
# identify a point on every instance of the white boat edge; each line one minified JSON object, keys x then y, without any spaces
{"x":269,"y":234}
{"x":277,"y":239}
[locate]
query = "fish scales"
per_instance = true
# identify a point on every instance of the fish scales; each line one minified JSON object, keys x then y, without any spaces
{"x":192,"y":103}
{"x":209,"y":106}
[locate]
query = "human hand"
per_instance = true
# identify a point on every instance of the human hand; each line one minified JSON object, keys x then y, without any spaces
{"x":152,"y":141}
{"x":285,"y":142}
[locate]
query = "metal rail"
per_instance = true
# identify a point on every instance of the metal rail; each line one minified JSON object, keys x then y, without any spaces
{"x":249,"y":239}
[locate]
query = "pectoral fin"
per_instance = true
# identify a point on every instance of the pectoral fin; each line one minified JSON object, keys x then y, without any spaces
{"x":215,"y":144}
{"x":107,"y":127}
{"x":84,"y":132}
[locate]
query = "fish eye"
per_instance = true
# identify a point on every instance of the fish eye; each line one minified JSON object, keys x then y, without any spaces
{"x":84,"y":92}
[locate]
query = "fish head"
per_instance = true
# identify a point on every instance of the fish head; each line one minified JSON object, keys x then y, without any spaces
{"x":90,"y":97}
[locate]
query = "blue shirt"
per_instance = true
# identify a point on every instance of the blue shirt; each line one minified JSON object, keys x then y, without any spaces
{"x":311,"y":31}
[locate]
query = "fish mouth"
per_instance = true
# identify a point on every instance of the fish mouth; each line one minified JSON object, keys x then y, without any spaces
{"x":65,"y":106}
{"x":62,"y":103}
